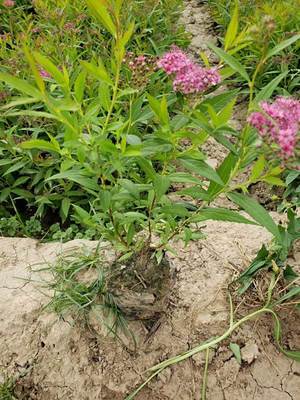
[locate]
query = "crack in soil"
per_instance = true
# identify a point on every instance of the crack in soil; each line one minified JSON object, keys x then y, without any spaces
{"x":270,"y":387}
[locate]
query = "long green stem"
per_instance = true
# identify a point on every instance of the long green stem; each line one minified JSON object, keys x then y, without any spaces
{"x":114,"y":98}
{"x":205,"y":346}
{"x":204,"y":383}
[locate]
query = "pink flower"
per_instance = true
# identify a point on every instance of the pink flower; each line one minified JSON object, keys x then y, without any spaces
{"x":174,"y":61}
{"x":280,"y":122}
{"x":44,"y":73}
{"x":188,"y":76}
{"x":8,"y":3}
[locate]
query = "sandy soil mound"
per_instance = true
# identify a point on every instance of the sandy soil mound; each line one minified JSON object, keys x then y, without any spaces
{"x":59,"y":360}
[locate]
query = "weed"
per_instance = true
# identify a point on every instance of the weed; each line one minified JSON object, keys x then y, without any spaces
{"x":79,"y":283}
{"x":7,"y":390}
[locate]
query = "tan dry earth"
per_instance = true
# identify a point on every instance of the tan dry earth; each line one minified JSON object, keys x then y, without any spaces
{"x":61,"y":361}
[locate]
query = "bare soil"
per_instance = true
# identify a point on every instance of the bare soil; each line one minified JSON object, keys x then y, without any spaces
{"x":65,"y":360}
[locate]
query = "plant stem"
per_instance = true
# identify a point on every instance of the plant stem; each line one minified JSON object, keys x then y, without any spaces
{"x":204,"y":383}
{"x":114,"y":98}
{"x":205,"y":346}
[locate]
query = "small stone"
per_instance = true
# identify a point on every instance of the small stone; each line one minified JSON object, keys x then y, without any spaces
{"x":249,"y":352}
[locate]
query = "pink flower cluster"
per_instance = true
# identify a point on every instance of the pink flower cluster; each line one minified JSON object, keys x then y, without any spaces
{"x":188,"y":76}
{"x":8,"y":3}
{"x":280,"y":122}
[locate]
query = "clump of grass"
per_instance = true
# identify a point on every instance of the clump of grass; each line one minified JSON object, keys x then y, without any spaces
{"x":7,"y":390}
{"x":80,"y":284}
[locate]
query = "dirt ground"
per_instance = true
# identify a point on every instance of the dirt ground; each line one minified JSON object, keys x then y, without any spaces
{"x":62,"y":360}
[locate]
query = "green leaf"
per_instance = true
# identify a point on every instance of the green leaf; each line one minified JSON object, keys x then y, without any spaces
{"x":15,"y":167}
{"x":176,"y":210}
{"x":79,"y":86}
{"x":202,"y":169}
{"x":273,"y":180}
{"x":161,"y":185}
{"x":127,"y":35}
{"x":147,"y":167}
{"x":281,"y":46}
{"x":160,"y":109}
{"x":222,"y":214}
{"x":20,"y":101}
{"x":20,"y":85}
{"x":78,"y":177}
{"x":105,"y":199}
{"x":100,"y":11}
{"x":64,"y":208}
{"x":260,"y":261}
{"x":257,"y":212}
{"x":40,"y":145}
{"x":292,"y":175}
{"x":232,"y":29}
{"x":195,"y":192}
{"x":289,"y":274}
{"x":36,"y":73}
{"x":83,"y":216}
{"x":49,"y":66}
{"x":23,"y":193}
{"x":258,"y":168}
{"x":32,"y":113}
{"x":104,"y":96}
{"x":224,"y":171}
{"x":267,"y":91}
{"x":235,"y":348}
{"x":225,"y":115}
{"x":184,"y":177}
{"x":98,"y":71}
{"x":293,"y":292}
{"x":231,"y":61}
{"x":4,"y":193}
{"x":293,"y":354}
